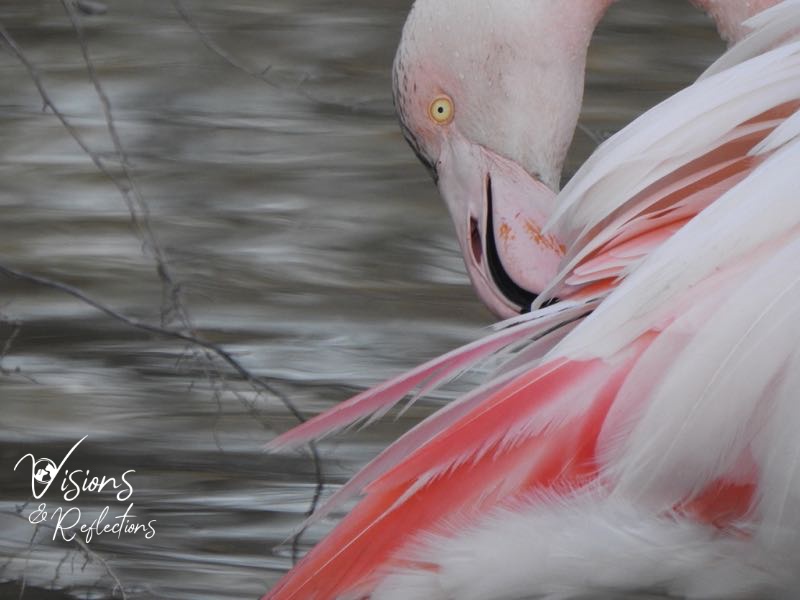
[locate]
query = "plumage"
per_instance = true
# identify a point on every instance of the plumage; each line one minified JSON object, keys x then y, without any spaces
{"x":649,"y":443}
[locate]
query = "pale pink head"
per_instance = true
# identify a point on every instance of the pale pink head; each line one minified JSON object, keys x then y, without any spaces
{"x":488,"y":95}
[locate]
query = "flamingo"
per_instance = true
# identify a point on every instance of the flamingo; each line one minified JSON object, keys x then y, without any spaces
{"x":645,"y":438}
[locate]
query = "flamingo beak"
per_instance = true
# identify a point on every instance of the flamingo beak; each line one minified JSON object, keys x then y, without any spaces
{"x":499,"y":211}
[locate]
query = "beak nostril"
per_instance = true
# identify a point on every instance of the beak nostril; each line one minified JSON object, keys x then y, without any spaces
{"x":475,"y":240}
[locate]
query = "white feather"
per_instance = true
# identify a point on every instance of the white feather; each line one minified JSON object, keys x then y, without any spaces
{"x":699,"y":421}
{"x":681,"y":129}
{"x":783,"y":134}
{"x":565,"y":548}
{"x":760,"y":209}
{"x":769,"y":28}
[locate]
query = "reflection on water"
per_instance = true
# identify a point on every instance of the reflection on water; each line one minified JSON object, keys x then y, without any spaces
{"x":306,"y":240}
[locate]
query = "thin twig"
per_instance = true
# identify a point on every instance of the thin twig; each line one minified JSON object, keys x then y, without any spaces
{"x":162,"y":264}
{"x":172,"y":289}
{"x":261,"y":75}
{"x":10,"y":340}
{"x":223,"y":354}
{"x":218,"y":50}
{"x":134,"y":199}
{"x":6,"y":350}
{"x":28,"y":553}
{"x":48,"y":103}
{"x":69,"y":128}
{"x":136,"y":204}
{"x":155,"y":329}
{"x":34,"y":74}
{"x":89,"y":555}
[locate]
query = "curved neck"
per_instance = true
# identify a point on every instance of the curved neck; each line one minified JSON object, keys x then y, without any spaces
{"x":730,"y":15}
{"x":581,"y":17}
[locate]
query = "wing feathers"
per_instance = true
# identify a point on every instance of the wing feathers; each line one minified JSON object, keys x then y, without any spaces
{"x":377,"y":401}
{"x":459,"y":471}
{"x":650,"y":166}
{"x":772,"y":27}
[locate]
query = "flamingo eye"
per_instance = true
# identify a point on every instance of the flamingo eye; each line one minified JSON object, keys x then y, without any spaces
{"x":442,"y":110}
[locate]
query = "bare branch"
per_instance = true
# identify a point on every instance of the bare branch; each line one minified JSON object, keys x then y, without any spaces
{"x":48,"y":103}
{"x":154,"y":329}
{"x":124,"y":191}
{"x":262,"y":75}
{"x":216,"y":49}
{"x":255,"y":380}
{"x":138,"y":208}
{"x":89,"y":554}
{"x":16,"y":327}
{"x":92,"y":555}
{"x":140,"y":217}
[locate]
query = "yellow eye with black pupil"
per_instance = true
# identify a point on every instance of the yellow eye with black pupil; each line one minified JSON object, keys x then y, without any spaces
{"x":442,"y":110}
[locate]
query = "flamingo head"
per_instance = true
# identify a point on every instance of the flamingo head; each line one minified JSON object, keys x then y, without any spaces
{"x":488,"y":95}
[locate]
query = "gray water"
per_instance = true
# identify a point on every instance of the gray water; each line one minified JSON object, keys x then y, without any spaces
{"x":306,"y":240}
